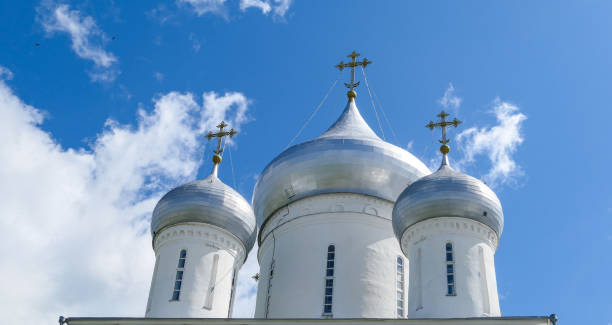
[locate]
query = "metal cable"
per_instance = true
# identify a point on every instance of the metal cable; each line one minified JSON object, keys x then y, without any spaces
{"x":232,"y":165}
{"x":372,"y":101}
{"x":385,"y":116}
{"x":312,"y":115}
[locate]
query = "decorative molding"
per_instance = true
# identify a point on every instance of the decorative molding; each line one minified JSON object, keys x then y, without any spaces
{"x":328,"y":203}
{"x":211,"y":236}
{"x":449,"y":225}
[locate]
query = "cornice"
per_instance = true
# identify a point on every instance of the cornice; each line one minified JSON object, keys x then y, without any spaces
{"x":448,"y":225}
{"x":208,"y":235}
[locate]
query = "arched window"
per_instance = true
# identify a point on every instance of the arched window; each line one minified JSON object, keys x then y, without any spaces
{"x":329,"y":280}
{"x":450,"y":271}
{"x":176,"y":293}
{"x":400,"y":287}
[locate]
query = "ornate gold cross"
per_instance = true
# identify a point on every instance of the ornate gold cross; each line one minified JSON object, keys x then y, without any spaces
{"x":220,"y":136}
{"x":354,"y":63}
{"x":443,"y":124}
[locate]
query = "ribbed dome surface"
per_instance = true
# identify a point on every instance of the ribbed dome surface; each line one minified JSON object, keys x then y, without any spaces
{"x":347,"y":158}
{"x":447,"y":193}
{"x":207,"y":201}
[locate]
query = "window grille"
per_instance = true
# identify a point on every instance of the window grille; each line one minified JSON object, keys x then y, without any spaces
{"x":450,"y":271}
{"x":329,"y":280}
{"x":178,"y":281}
{"x":400,"y":287}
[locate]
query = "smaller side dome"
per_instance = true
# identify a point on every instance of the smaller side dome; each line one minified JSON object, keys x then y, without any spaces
{"x":447,"y":193}
{"x":207,"y":201}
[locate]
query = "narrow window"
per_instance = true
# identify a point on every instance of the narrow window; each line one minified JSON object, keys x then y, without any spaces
{"x":400,"y":287}
{"x":178,"y":281}
{"x":210,"y":294}
{"x":329,"y":280}
{"x":450,"y":271}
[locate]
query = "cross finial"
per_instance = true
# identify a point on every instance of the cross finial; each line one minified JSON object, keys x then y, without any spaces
{"x":219,"y":135}
{"x":354,"y":63}
{"x":443,"y":124}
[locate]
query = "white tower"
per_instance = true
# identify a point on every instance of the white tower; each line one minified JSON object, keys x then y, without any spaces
{"x":202,"y":233}
{"x":327,"y":247}
{"x":448,"y":225}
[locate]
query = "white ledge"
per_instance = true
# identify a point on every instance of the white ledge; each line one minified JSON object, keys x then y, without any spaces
{"x":528,"y":320}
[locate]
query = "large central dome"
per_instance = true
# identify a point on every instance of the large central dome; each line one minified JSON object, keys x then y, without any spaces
{"x":347,"y":158}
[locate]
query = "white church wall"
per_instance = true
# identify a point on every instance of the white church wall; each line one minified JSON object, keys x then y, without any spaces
{"x":297,"y":237}
{"x":212,"y":256}
{"x":473,"y":248}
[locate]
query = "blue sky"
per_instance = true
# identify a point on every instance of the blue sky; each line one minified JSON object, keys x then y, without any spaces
{"x":107,"y":113}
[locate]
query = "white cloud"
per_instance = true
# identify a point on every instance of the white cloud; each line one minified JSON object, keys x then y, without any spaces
{"x":410,"y":145}
{"x":87,"y":38}
{"x":498,"y":143}
{"x":202,"y":7}
{"x":281,"y":7}
{"x":5,"y":74}
{"x":449,"y":100}
{"x":264,"y":6}
{"x":74,"y":232}
{"x":160,"y":13}
{"x":278,"y":7}
{"x":104,"y":75}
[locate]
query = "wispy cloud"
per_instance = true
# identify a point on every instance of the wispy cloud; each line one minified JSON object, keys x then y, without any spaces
{"x":410,"y":145}
{"x":202,"y":7}
{"x":277,"y":7}
{"x":161,"y":13}
{"x":262,"y":5}
{"x":195,"y":43}
{"x":498,"y":143}
{"x":82,"y":214}
{"x":281,"y":7}
{"x":504,"y":295}
{"x":5,"y":74}
{"x":220,"y":7}
{"x":450,"y":100}
{"x":158,"y":76}
{"x":88,"y":39}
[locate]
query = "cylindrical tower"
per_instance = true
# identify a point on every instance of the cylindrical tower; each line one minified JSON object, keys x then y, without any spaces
{"x":202,"y":233}
{"x":448,"y":224}
{"x":327,"y":247}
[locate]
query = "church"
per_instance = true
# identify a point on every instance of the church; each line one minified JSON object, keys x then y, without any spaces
{"x":351,"y":230}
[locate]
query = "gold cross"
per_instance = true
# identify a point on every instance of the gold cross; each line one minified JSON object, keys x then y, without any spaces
{"x":443,"y":124}
{"x":354,"y":63}
{"x":220,"y":136}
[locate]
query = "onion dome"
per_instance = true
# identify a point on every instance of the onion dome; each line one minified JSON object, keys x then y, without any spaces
{"x":207,"y":201}
{"x":447,"y":193}
{"x":348,"y":158}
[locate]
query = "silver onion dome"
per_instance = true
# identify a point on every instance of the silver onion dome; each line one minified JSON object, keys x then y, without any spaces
{"x":348,"y":158}
{"x":447,"y":193}
{"x":207,"y":201}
